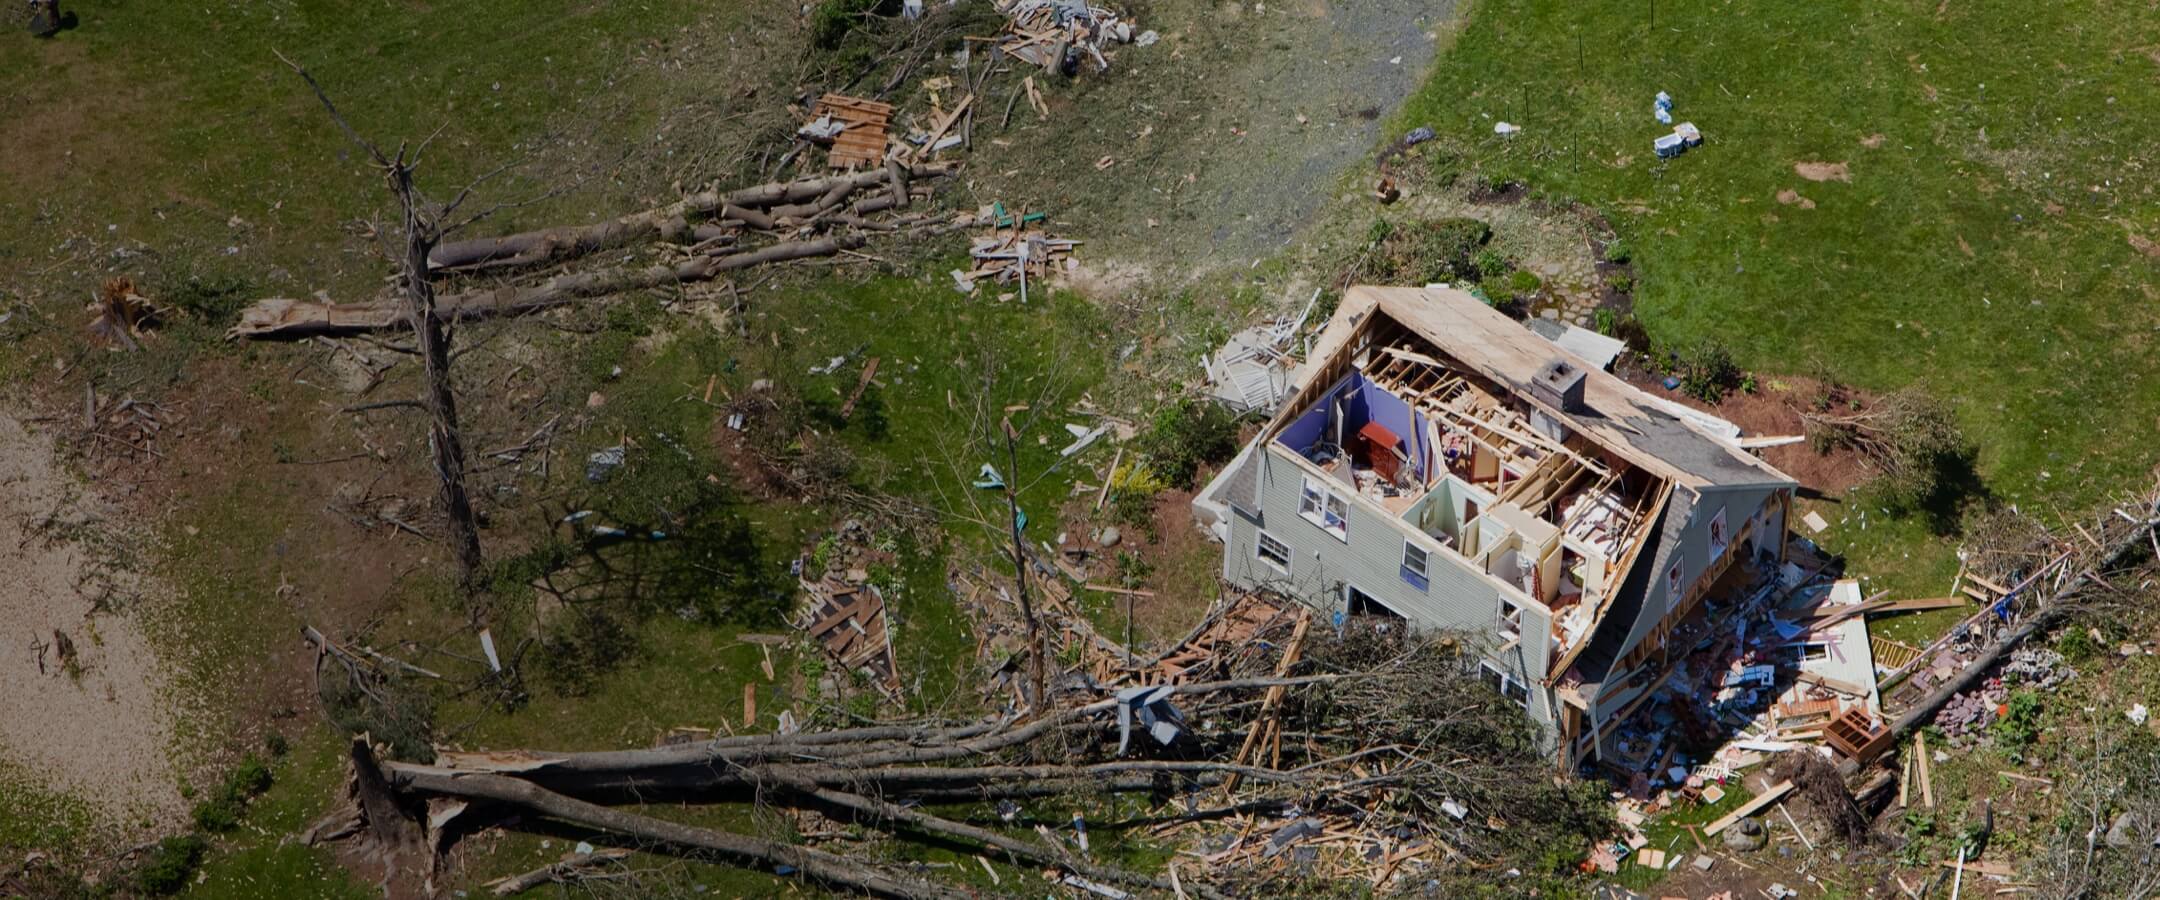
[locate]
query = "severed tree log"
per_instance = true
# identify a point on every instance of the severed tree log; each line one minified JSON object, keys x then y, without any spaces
{"x":280,"y":317}
{"x":759,"y":207}
{"x":831,"y":869}
{"x":576,"y":866}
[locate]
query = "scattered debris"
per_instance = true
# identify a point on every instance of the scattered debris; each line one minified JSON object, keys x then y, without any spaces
{"x":1017,"y":255}
{"x":1055,"y":35}
{"x":845,"y":612}
{"x":1251,"y":372}
{"x":603,"y":463}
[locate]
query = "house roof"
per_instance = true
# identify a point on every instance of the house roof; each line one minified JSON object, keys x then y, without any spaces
{"x":1617,"y":416}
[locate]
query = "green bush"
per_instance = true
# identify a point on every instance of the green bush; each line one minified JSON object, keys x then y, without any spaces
{"x":1607,"y":321}
{"x":1617,"y":252}
{"x":834,"y":20}
{"x":214,"y":300}
{"x":1620,"y":282}
{"x":2020,"y":723}
{"x":1424,"y":252}
{"x":221,"y":811}
{"x":1524,"y":282}
{"x":170,"y":865}
{"x":1709,"y":373}
{"x":1490,"y":264}
{"x":1186,"y":435}
{"x":2076,"y":645}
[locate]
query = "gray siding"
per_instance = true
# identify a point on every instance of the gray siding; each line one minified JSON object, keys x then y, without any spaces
{"x":1458,"y":596}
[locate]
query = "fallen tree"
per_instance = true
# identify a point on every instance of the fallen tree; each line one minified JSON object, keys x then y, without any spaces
{"x":281,"y":317}
{"x":764,"y":207}
{"x":1371,"y":732}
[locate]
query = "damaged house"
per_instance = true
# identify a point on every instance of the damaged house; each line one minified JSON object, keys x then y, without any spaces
{"x":1439,"y":463}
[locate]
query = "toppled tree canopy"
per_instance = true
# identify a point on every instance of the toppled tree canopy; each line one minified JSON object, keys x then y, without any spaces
{"x":1379,"y":735}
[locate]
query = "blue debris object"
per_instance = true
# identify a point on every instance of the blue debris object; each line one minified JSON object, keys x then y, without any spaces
{"x":1671,"y":383}
{"x":1663,"y":114}
{"x":1669,"y":146}
{"x":1664,"y":100}
{"x":988,"y":479}
{"x":1417,"y":136}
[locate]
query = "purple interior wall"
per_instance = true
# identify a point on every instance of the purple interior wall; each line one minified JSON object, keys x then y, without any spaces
{"x":1361,"y":401}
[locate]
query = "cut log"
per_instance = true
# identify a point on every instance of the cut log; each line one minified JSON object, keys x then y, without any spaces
{"x":570,"y":869}
{"x":287,"y":318}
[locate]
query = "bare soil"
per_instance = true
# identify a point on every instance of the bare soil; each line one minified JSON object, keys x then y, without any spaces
{"x":95,"y":726}
{"x":1774,"y":409}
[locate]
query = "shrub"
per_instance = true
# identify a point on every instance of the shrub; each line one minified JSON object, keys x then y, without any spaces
{"x":1438,"y":250}
{"x":1607,"y":321}
{"x":213,"y":300}
{"x":1921,"y":458}
{"x":2019,"y":725}
{"x":1490,"y":264}
{"x":1524,"y":282}
{"x":834,"y":20}
{"x":2076,"y":645}
{"x":1620,"y":282}
{"x":170,"y":865}
{"x":1710,"y":373}
{"x":1186,"y":435}
{"x":1617,"y":252}
{"x":221,"y":811}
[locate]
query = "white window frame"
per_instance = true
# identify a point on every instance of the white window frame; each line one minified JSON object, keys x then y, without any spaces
{"x":1325,"y":509}
{"x":1502,"y":683}
{"x":1424,"y":560}
{"x":1810,"y":651}
{"x":1260,"y":552}
{"x":1719,"y":537}
{"x":1510,"y":626}
{"x":1675,"y":580}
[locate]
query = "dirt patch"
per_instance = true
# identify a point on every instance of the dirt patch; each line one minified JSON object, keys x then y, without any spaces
{"x":1774,"y":409}
{"x":1791,"y":197}
{"x":1823,"y":171}
{"x":90,"y":723}
{"x":1874,"y":141}
{"x":2145,"y":245}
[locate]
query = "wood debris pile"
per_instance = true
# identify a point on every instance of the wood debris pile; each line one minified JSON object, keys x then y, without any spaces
{"x":120,"y":431}
{"x":845,"y":612}
{"x":1016,"y":256}
{"x":1057,"y":35}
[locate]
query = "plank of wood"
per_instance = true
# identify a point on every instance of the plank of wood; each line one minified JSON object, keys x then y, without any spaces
{"x":1118,"y":590}
{"x":1919,"y":605}
{"x":1985,"y":868}
{"x":1920,"y":760}
{"x":749,"y":704}
{"x":1838,"y":685}
{"x":869,"y":371}
{"x":1749,"y":808}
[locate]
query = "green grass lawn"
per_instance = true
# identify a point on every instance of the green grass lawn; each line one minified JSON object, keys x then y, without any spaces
{"x":1989,"y":245}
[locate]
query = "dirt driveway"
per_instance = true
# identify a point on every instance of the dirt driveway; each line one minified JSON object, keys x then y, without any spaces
{"x":92,"y":723}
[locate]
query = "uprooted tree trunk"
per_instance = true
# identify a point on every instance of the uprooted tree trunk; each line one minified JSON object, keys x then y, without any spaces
{"x":764,"y":207}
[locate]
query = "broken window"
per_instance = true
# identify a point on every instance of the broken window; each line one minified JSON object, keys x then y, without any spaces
{"x":1323,"y":508}
{"x":1510,"y":620}
{"x":1273,"y":552}
{"x":1719,"y":538}
{"x":1364,"y":604}
{"x":1673,"y":582}
{"x":1809,"y":651}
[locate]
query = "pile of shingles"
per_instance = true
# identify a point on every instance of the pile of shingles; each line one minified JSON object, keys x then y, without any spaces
{"x":849,"y":620}
{"x":1054,"y":34}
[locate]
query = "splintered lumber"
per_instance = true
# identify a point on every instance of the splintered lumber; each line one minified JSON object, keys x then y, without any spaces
{"x":1749,"y":808}
{"x":281,"y":317}
{"x":749,"y":205}
{"x":569,"y":869}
